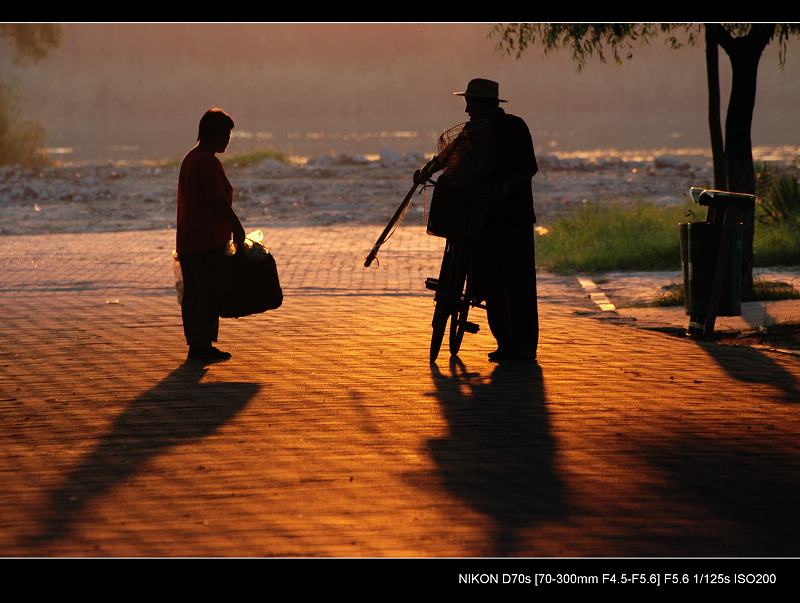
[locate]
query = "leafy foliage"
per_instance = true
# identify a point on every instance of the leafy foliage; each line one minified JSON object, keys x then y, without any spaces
{"x":32,"y":41}
{"x":586,"y":40}
{"x":21,"y":140}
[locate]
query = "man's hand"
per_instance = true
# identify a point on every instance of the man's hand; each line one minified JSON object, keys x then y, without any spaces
{"x":422,"y":175}
{"x":238,"y":234}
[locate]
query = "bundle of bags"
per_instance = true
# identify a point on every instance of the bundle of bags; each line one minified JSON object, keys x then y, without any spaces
{"x":248,"y":280}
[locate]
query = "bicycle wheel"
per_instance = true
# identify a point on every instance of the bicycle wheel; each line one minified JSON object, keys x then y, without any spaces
{"x":440,"y":311}
{"x":439,"y":327}
{"x":458,"y":319}
{"x":443,"y":299}
{"x":448,"y":294}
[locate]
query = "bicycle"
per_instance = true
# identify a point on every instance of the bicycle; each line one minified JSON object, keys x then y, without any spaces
{"x":457,"y":222}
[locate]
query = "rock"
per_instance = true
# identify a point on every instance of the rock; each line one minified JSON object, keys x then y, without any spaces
{"x":390,"y":157}
{"x":269,"y":166}
{"x":668,"y":161}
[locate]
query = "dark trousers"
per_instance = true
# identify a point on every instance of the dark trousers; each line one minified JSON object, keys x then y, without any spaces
{"x":508,"y":284}
{"x":199,"y":307}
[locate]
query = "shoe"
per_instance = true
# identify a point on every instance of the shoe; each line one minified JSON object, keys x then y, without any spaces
{"x":209,"y":353}
{"x":506,"y":354}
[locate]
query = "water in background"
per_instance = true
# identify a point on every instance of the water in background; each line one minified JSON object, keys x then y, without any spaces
{"x":301,"y":146}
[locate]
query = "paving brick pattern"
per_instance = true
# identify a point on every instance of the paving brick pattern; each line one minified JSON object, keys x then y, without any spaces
{"x":329,"y":433}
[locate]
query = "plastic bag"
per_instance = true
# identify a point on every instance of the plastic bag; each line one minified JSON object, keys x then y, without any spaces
{"x":176,"y":264}
{"x":248,"y":281}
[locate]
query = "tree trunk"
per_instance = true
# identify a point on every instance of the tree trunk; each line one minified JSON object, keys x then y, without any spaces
{"x":744,"y":53}
{"x":714,"y":118}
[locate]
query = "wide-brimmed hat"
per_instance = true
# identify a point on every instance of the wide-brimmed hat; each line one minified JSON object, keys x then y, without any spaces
{"x":481,"y":88}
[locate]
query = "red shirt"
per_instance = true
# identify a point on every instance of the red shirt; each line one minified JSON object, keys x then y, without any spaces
{"x":202,"y":180}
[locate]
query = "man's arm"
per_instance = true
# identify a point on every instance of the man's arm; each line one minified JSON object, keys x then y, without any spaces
{"x":225,"y":211}
{"x":521,"y":178}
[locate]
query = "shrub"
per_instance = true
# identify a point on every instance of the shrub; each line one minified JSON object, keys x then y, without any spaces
{"x":778,"y":196}
{"x":255,"y":156}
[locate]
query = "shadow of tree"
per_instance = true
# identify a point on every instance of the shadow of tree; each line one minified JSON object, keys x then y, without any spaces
{"x":749,"y":486}
{"x":177,"y":410}
{"x":499,"y":456}
{"x":749,"y":481}
{"x":750,"y":365}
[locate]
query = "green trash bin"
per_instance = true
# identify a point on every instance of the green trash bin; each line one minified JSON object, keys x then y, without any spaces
{"x":699,"y":250}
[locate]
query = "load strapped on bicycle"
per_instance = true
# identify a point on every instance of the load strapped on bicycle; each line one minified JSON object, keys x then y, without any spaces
{"x":460,"y":206}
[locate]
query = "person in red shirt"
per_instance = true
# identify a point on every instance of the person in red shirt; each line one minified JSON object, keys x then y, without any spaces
{"x":205,"y":225}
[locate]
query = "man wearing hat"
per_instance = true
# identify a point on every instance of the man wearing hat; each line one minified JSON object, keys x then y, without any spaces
{"x":506,"y":271}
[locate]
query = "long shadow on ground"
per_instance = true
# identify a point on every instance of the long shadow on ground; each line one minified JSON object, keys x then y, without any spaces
{"x":178,"y":410}
{"x":499,"y":455}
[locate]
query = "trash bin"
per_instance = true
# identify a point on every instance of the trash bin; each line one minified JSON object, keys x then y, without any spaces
{"x":699,"y":250}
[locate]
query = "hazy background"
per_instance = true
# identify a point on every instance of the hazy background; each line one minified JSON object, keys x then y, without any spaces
{"x":130,"y":91}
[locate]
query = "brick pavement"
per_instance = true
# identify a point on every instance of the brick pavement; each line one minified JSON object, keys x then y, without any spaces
{"x":329,"y":434}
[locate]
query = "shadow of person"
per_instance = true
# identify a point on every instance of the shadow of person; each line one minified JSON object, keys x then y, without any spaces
{"x":177,"y":410}
{"x":499,"y":456}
